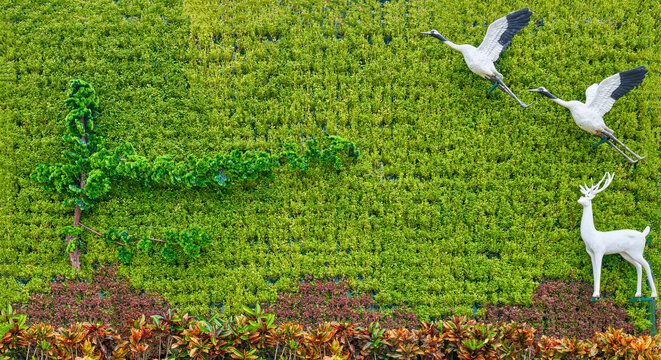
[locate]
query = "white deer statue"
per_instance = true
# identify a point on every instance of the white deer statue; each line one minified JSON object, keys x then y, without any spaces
{"x":628,"y":243}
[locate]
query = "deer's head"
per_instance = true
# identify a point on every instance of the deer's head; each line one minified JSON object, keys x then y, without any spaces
{"x":591,"y":191}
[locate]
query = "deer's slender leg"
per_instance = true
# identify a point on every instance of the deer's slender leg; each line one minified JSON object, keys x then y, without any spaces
{"x":648,"y":271}
{"x":596,"y":274}
{"x":639,"y":272}
{"x":621,"y":152}
{"x":595,"y":294}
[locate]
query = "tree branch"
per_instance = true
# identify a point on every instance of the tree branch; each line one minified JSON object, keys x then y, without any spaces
{"x":90,"y":229}
{"x":116,"y":242}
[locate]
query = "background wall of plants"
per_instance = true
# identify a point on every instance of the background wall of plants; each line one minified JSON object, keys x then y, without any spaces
{"x":455,"y":201}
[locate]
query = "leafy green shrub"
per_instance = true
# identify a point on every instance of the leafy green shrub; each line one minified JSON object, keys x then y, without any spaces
{"x":87,"y":177}
{"x":455,"y":200}
{"x":11,"y":320}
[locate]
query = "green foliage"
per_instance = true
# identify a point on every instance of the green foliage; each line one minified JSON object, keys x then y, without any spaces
{"x":101,"y":165}
{"x":94,"y":170}
{"x":454,"y":200}
{"x":328,"y":156}
{"x":639,"y":317}
{"x":9,"y":320}
{"x":71,"y":230}
{"x":189,"y":243}
{"x":82,"y":139}
{"x":220,"y":170}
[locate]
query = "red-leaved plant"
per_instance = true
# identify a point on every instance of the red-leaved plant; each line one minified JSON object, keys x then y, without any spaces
{"x":562,"y":308}
{"x":106,"y":298}
{"x":319,"y":301}
{"x":255,"y":335}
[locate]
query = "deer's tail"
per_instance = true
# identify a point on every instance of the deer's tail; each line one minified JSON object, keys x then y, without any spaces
{"x":646,"y":231}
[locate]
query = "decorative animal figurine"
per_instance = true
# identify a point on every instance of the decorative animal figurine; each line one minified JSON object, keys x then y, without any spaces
{"x":628,"y":243}
{"x":499,"y":35}
{"x":599,"y":99}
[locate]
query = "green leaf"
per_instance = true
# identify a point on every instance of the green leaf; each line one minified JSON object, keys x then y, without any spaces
{"x":144,"y":245}
{"x":71,"y":245}
{"x":71,"y":230}
{"x":123,"y":254}
{"x":75,"y":189}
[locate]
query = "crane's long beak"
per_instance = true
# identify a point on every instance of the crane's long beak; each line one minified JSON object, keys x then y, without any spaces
{"x":426,"y":32}
{"x":543,"y":91}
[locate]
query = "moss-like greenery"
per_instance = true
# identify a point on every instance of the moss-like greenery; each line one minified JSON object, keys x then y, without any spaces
{"x":456,"y":200}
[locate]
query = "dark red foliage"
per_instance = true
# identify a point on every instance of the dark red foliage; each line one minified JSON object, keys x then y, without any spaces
{"x":563,"y":308}
{"x":107,"y":298}
{"x":321,"y":301}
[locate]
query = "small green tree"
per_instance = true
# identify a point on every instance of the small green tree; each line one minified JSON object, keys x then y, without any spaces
{"x":90,"y":169}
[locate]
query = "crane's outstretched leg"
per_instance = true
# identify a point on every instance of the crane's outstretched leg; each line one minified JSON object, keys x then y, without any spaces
{"x":620,"y":151}
{"x":624,"y":146}
{"x":606,"y":137}
{"x":495,"y":84}
{"x":506,"y":90}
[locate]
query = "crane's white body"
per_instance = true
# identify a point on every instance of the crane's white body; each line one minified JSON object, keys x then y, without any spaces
{"x":599,"y":99}
{"x":630,"y":244}
{"x":498,"y":37}
{"x":478,"y":62}
{"x":585,"y":117}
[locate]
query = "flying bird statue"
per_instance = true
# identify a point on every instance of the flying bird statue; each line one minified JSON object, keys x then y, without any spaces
{"x":599,"y":99}
{"x":499,"y":35}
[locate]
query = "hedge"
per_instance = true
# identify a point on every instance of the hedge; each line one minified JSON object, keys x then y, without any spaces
{"x":455,"y":201}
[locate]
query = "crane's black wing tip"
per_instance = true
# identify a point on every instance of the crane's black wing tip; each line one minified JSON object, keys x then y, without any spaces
{"x":628,"y":80}
{"x":515,"y":22}
{"x":522,"y":13}
{"x":641,"y":70}
{"x":518,"y":19}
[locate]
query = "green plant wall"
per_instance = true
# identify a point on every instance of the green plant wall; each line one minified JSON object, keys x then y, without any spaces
{"x":456,"y":200}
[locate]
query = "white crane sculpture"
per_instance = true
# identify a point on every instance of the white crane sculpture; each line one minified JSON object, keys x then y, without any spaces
{"x":628,"y":243}
{"x":599,"y":99}
{"x":499,"y":35}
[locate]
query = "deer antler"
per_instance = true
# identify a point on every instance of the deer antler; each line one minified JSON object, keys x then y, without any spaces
{"x":595,"y":189}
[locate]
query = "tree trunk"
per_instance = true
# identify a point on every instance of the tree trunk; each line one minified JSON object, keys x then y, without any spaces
{"x":74,"y":256}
